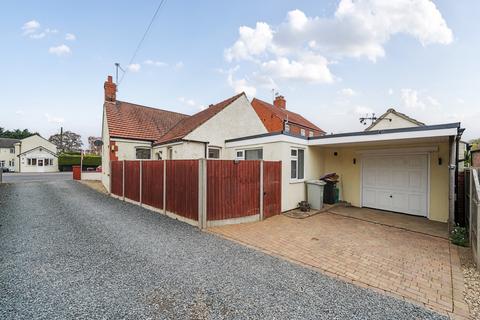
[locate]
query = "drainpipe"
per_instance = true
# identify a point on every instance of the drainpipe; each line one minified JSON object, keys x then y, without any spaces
{"x":457,"y":151}
{"x":206,"y":150}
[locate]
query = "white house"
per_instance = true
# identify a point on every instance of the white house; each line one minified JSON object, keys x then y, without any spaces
{"x":397,"y":164}
{"x":131,"y":131}
{"x":7,"y":153}
{"x":32,"y":154}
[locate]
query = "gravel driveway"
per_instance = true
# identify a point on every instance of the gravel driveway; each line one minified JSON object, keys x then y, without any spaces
{"x":67,"y":252}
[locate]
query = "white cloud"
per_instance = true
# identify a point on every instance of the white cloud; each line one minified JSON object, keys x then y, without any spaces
{"x":20,"y":112}
{"x":349,"y":92}
{"x":460,"y":101}
{"x":30,"y":27}
{"x":189,"y":102}
{"x":134,"y":67}
{"x":60,"y":50}
{"x":302,"y":46}
{"x":70,"y":37}
{"x":155,"y":63}
{"x":251,"y":42}
{"x":179,"y":65}
{"x":390,"y":91}
{"x":361,"y":110}
{"x":240,"y":85}
{"x":40,"y":35}
{"x":311,"y":68}
{"x":414,"y":99}
{"x":432,"y":101}
{"x":54,"y":119}
{"x":48,"y":30}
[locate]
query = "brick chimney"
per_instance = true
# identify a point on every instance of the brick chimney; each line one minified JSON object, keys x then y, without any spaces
{"x":110,"y":90}
{"x":280,"y":102}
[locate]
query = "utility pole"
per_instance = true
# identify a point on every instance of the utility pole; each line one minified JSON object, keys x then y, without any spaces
{"x":61,"y":139}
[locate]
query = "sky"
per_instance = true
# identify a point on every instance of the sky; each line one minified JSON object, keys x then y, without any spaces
{"x":333,"y":61}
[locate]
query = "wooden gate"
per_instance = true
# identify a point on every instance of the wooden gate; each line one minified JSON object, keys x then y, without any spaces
{"x":182,"y":188}
{"x":116,"y":176}
{"x":272,"y":188}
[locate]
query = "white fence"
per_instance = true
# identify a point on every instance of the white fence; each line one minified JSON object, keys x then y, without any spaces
{"x":472,"y":207}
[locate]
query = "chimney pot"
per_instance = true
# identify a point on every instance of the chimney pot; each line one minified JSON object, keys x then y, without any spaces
{"x":110,"y":90}
{"x":280,"y":102}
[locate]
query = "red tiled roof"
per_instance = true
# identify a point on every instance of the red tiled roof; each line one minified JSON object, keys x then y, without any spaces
{"x":286,"y":114}
{"x":133,"y":121}
{"x":188,"y":124}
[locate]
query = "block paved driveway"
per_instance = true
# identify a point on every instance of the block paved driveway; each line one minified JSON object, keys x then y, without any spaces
{"x":405,"y":264}
{"x":69,"y":252}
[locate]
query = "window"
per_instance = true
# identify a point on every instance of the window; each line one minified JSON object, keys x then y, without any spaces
{"x":297,"y":163}
{"x":254,"y":154}
{"x":12,"y":163}
{"x":40,"y":162}
{"x":213,"y":153}
{"x":302,"y":132}
{"x":170,"y":153}
{"x":142,"y":153}
{"x":310,"y":134}
{"x":287,"y":127}
{"x":12,"y":150}
{"x":51,"y":162}
{"x":240,"y":155}
{"x":159,"y":155}
{"x":2,"y":163}
{"x":34,"y":162}
{"x":29,"y":161}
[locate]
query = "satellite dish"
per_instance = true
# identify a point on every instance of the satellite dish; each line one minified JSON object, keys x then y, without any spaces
{"x":98,"y":143}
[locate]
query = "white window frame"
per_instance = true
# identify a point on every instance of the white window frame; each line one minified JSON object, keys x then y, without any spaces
{"x":310,"y":133}
{"x":143,"y":148}
{"x":214,"y":148}
{"x":12,"y":150}
{"x":241,"y":156}
{"x":294,"y":157}
{"x":287,"y":127}
{"x":303,"y":132}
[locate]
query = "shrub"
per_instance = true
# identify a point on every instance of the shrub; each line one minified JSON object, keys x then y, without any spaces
{"x":74,"y":160}
{"x":459,"y":236}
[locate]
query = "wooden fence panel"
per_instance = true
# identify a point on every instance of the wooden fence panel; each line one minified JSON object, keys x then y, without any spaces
{"x":272,"y":188}
{"x":233,"y":189}
{"x":152,"y":183}
{"x":132,"y":180}
{"x":116,"y":175}
{"x":182,"y":188}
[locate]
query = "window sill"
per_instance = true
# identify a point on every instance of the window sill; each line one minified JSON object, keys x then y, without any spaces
{"x":294,"y":181}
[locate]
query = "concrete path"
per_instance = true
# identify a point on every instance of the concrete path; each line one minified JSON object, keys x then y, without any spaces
{"x":69,"y":252}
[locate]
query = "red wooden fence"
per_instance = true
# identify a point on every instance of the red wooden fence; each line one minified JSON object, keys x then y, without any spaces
{"x":152,"y":183}
{"x":116,"y":175}
{"x":272,"y":188}
{"x":182,"y":188}
{"x":132,"y":180}
{"x":233,"y":189}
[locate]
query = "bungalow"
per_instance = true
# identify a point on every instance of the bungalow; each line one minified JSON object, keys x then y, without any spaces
{"x":32,"y":154}
{"x":397,"y":164}
{"x":132,"y":131}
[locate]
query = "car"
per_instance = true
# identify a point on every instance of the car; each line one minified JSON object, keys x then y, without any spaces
{"x":5,"y":169}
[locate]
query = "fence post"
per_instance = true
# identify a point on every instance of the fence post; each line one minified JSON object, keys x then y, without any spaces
{"x":109,"y":177}
{"x":123,"y":180}
{"x":202,"y":193}
{"x":470,"y":202}
{"x":164,"y":187}
{"x":261,"y":190}
{"x":140,"y":186}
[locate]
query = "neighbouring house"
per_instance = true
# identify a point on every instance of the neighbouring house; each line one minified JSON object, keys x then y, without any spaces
{"x":475,"y":154}
{"x":393,"y":119}
{"x":277,"y":118}
{"x":7,"y":153}
{"x":131,"y":131}
{"x":32,"y":154}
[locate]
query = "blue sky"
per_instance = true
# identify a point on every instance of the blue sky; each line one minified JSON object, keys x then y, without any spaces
{"x":332,"y":60}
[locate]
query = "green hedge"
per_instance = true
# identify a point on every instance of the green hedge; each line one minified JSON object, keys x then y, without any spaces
{"x":73,"y":160}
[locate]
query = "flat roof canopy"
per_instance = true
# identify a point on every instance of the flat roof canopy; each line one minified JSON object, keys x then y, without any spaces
{"x":413,"y":133}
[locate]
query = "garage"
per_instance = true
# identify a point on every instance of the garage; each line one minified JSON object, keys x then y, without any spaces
{"x":396,"y":183}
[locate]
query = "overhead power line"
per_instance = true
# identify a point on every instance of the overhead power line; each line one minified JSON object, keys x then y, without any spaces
{"x":160,"y":5}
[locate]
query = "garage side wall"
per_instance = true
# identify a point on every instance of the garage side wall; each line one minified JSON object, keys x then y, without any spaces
{"x":350,"y":174}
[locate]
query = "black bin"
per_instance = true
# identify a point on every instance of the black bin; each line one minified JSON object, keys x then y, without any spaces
{"x":329,"y":192}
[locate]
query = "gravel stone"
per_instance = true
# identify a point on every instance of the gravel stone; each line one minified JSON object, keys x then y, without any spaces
{"x":472,"y":281}
{"x":69,"y":252}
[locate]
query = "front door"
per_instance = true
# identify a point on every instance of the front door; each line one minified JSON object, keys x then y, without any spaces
{"x":396,"y":183}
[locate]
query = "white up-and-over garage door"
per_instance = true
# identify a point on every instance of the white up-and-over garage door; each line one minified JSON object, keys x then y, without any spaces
{"x":396,"y":183}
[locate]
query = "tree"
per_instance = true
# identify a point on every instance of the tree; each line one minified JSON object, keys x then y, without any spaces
{"x":16,"y":134}
{"x":91,"y":145}
{"x":67,"y":142}
{"x":475,"y":143}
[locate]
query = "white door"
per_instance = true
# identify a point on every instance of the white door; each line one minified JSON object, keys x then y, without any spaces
{"x":396,"y":183}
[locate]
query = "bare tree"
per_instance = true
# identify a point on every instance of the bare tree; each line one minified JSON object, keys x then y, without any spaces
{"x":67,"y":141}
{"x":91,"y":145}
